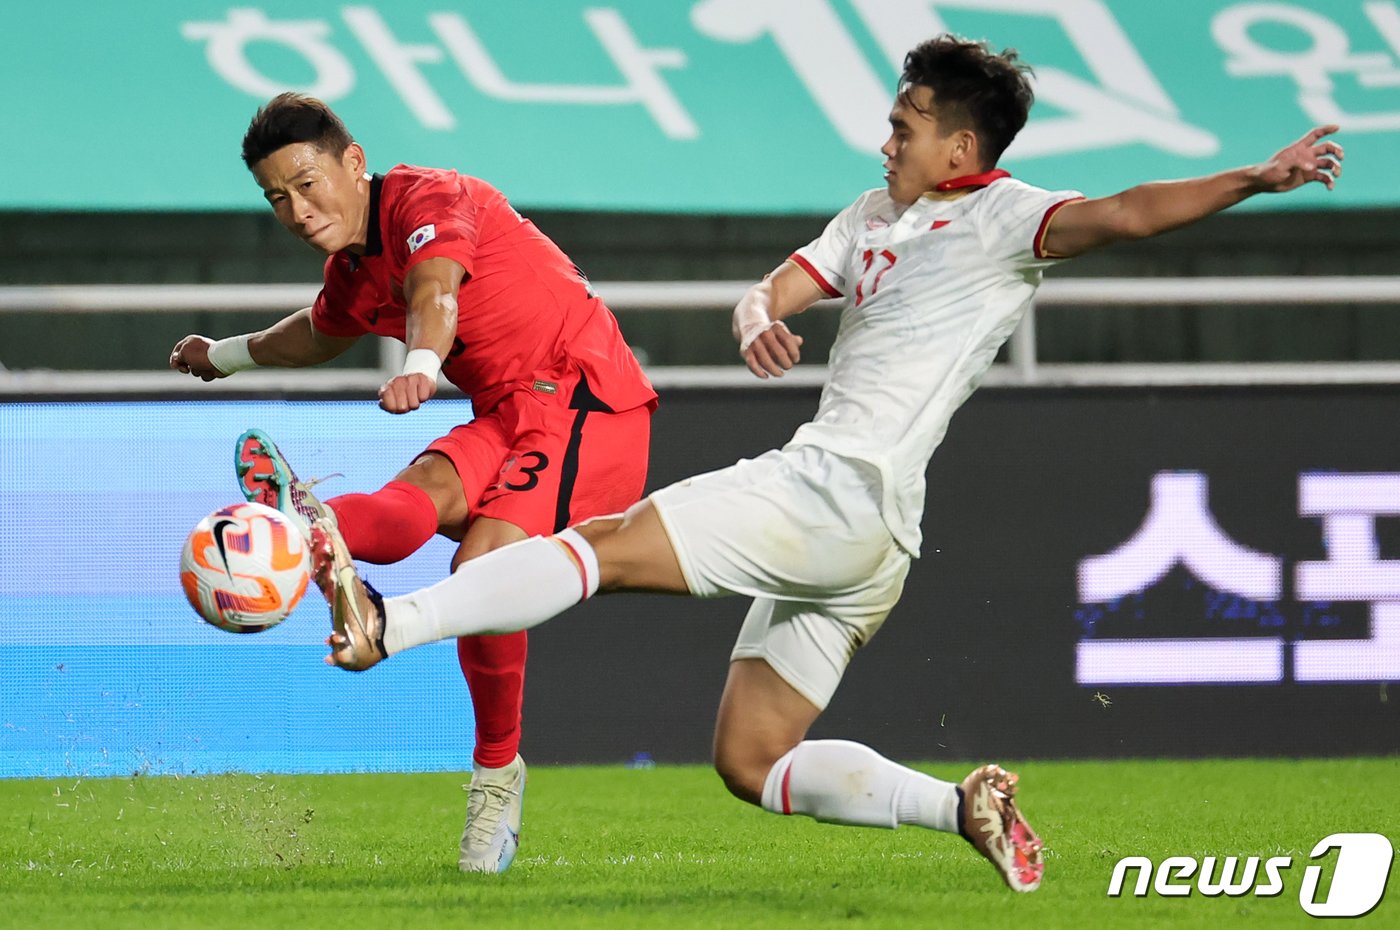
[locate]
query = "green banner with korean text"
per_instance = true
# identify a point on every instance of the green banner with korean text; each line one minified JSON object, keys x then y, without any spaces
{"x":733,"y":106}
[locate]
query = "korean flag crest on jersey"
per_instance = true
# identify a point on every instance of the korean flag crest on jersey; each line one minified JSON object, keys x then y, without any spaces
{"x":421,"y":237}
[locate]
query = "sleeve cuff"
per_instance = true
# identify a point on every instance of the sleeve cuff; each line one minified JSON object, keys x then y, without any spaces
{"x":326,"y":325}
{"x":815,"y":275}
{"x":1038,"y":246}
{"x":459,"y":252}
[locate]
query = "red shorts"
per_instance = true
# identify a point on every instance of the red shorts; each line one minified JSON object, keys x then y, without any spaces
{"x":543,"y":465}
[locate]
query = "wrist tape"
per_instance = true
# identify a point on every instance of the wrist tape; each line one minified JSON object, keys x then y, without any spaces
{"x":422,"y":362}
{"x":231,"y":354}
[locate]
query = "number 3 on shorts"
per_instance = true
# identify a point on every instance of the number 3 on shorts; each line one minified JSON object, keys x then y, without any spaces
{"x":530,"y":471}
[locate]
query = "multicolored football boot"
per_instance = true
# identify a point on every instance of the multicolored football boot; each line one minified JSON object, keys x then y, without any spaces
{"x":265,"y":478}
{"x":993,"y":825}
{"x":357,"y":610}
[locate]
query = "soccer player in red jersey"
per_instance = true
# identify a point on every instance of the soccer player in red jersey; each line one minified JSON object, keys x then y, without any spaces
{"x":562,"y":410}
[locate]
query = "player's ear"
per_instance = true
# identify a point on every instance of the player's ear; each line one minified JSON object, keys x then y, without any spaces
{"x":354,"y":159}
{"x":965,"y":149}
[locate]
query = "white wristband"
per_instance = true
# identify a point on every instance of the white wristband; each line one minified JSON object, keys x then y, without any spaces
{"x":422,"y":362}
{"x":231,"y":354}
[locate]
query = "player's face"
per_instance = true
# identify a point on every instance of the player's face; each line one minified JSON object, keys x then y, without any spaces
{"x":918,"y":156}
{"x":321,"y":199}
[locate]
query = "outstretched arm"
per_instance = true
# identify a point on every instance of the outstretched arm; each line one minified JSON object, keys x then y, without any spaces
{"x":765,"y":342}
{"x":291,"y":342}
{"x":1149,"y":209}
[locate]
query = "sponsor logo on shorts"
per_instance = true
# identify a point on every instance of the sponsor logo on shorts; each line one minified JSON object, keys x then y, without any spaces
{"x":546,"y":387}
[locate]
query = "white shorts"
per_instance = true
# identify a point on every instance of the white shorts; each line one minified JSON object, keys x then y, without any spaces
{"x":799,"y":530}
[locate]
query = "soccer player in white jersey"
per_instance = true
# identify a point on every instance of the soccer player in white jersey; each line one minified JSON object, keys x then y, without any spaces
{"x":936,"y":268}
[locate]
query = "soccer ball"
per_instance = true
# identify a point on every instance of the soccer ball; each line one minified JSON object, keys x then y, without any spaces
{"x":245,"y":567}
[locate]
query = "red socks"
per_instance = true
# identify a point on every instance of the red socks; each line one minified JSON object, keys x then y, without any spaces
{"x":390,"y":525}
{"x":494,"y":667}
{"x":387,"y":526}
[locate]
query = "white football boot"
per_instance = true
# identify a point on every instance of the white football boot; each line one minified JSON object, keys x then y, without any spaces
{"x":495,"y":799}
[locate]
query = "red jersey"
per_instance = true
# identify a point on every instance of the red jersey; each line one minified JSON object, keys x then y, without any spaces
{"x":527,"y":318}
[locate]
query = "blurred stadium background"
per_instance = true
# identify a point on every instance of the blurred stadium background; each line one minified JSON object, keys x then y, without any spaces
{"x":1224,"y":396}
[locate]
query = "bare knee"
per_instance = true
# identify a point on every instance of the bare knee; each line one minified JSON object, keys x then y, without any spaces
{"x":435,"y":475}
{"x":743,"y":764}
{"x":761,"y":718}
{"x":485,"y":534}
{"x":634,"y":553}
{"x":601,"y":533}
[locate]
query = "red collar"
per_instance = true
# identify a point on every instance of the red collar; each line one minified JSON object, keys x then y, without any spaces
{"x":973,"y":180}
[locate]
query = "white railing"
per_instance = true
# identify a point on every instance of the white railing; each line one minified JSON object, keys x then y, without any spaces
{"x":1023,"y":368}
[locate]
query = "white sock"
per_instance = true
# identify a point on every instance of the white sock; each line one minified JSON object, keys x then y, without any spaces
{"x":513,"y":588}
{"x":836,"y":781}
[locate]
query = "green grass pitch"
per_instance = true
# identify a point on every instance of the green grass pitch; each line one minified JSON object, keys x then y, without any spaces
{"x":666,"y":847}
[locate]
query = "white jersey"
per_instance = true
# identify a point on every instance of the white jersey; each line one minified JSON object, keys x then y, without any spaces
{"x":932,"y":291}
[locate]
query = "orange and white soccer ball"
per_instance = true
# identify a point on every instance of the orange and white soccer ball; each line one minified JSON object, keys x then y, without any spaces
{"x":245,"y":567}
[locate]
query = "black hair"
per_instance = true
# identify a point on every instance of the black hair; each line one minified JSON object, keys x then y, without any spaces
{"x":973,"y":88}
{"x":291,"y":118}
